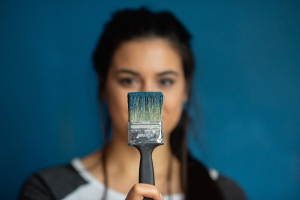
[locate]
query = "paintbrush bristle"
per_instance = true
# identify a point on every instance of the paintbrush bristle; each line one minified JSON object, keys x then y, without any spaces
{"x":145,"y":106}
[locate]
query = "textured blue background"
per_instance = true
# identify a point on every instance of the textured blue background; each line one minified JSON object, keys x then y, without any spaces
{"x":247,"y":86}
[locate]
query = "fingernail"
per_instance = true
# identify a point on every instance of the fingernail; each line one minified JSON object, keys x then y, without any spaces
{"x":161,"y":196}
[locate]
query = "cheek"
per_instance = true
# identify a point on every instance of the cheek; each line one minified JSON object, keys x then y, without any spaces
{"x":172,"y":110}
{"x":117,"y":106}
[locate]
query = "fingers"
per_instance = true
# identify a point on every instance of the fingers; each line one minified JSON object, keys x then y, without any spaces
{"x":141,"y":190}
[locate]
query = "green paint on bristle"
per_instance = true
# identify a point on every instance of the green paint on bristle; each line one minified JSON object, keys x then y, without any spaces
{"x":145,"y":106}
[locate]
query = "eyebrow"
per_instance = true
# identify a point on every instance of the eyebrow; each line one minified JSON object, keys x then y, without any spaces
{"x":127,"y":71}
{"x":167,"y":72}
{"x":137,"y":74}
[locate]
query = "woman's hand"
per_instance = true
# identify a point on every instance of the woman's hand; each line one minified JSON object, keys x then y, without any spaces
{"x":141,"y":190}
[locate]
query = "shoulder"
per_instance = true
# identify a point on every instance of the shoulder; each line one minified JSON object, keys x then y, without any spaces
{"x":229,"y":188}
{"x":52,"y":183}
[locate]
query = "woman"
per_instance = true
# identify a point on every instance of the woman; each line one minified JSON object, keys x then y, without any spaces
{"x":138,"y":51}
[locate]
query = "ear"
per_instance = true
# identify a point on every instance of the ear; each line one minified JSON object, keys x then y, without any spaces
{"x":185,"y":97}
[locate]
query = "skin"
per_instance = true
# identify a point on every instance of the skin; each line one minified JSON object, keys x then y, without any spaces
{"x":141,"y":65}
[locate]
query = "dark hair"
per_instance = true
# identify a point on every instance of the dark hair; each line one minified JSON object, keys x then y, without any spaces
{"x":127,"y":25}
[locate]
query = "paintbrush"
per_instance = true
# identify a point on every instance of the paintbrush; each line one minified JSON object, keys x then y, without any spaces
{"x":145,"y":129}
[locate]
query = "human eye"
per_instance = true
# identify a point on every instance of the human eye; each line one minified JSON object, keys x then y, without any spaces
{"x":166,"y":82}
{"x":127,"y":81}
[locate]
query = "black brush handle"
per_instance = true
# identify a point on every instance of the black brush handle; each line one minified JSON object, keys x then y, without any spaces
{"x":146,"y":174}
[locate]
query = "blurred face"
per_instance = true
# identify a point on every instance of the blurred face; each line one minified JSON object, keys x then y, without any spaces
{"x":149,"y":65}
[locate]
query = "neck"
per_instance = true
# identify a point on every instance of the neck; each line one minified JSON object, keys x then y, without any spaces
{"x":122,"y":165}
{"x":125,"y":159}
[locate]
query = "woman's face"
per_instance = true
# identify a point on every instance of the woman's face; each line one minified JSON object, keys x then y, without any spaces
{"x":149,"y":65}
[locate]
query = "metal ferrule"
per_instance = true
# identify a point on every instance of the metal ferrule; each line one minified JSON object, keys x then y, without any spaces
{"x":145,"y":132}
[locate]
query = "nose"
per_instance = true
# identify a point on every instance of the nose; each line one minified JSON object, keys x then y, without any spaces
{"x":147,"y":86}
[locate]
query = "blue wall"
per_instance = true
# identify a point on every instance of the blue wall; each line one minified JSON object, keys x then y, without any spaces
{"x":247,"y":86}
